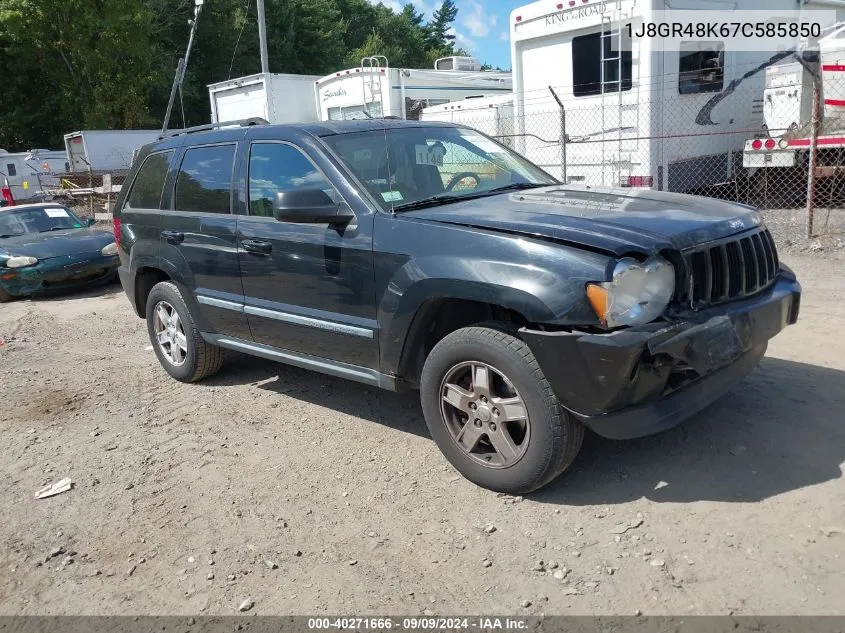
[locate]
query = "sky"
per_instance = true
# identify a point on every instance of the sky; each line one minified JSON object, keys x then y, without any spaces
{"x":480,"y":28}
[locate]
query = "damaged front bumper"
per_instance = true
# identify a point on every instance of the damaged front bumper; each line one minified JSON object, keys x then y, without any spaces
{"x":645,"y":379}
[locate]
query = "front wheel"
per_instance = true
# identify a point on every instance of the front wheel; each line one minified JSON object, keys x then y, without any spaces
{"x":492,"y":412}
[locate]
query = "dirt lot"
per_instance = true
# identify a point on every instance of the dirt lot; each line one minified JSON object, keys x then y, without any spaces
{"x":308,"y":494}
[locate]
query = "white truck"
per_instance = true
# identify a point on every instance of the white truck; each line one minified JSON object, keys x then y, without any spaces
{"x":781,"y":153}
{"x":375,"y":89}
{"x":635,"y":114}
{"x":30,"y":174}
{"x":276,"y":98}
{"x":105,"y":151}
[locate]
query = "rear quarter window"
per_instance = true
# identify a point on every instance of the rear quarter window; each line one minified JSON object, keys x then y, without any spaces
{"x":149,"y":183}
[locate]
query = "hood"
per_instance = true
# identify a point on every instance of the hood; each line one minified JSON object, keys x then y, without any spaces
{"x":618,"y":221}
{"x":56,"y":243}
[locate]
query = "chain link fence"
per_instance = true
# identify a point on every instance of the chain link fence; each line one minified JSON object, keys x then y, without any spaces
{"x":737,"y":144}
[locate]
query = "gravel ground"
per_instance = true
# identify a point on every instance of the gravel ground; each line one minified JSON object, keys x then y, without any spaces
{"x":305,"y":494}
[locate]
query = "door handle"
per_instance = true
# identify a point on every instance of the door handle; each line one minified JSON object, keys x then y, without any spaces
{"x":257,"y":246}
{"x":174,"y":237}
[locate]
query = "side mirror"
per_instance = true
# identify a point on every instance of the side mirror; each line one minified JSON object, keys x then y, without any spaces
{"x":90,"y":222}
{"x":311,"y":206}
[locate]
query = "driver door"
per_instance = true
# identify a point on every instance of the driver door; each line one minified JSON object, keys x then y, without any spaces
{"x":308,"y":287}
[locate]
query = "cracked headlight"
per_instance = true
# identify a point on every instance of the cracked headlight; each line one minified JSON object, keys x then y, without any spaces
{"x":639,"y":292}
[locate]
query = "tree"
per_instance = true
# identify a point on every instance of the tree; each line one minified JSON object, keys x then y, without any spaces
{"x":438,"y":29}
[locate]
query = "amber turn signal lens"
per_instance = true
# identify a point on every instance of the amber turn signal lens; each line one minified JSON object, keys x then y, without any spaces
{"x":600,"y":300}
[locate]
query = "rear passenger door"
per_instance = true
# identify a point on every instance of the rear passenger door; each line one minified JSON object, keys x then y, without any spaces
{"x":198,"y":236}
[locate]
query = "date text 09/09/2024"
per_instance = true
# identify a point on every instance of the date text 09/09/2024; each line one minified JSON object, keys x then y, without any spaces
{"x":417,"y":623}
{"x":724,"y":29}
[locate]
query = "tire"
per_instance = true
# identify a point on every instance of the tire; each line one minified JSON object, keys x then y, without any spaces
{"x":5,"y":297}
{"x":199,"y":359}
{"x":537,"y":453}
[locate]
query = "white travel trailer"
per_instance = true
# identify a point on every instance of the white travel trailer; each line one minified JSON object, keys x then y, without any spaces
{"x":105,"y":151}
{"x":31,"y":173}
{"x":374,"y":89}
{"x":276,"y":98}
{"x":491,"y":115}
{"x":635,"y":114}
{"x":788,"y":110}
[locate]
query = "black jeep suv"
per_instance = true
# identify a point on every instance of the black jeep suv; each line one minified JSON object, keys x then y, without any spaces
{"x":429,"y":256}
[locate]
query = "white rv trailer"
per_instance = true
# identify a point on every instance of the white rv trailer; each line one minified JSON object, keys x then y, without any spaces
{"x":668,"y":119}
{"x":105,"y":151}
{"x":491,"y":115}
{"x":787,"y":109}
{"x":374,"y":89}
{"x":277,"y":98}
{"x":31,"y":173}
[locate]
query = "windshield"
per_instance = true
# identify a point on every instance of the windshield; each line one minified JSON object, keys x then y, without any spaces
{"x":39,"y":220}
{"x":405,"y":167}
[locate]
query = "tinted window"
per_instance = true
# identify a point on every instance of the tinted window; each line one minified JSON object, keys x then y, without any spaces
{"x":10,"y":168}
{"x":149,"y":183}
{"x":700,"y":67}
{"x":587,"y":60}
{"x":204,"y":182}
{"x":275,"y":167}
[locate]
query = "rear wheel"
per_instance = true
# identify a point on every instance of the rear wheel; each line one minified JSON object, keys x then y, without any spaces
{"x":492,"y":412}
{"x":177,"y":342}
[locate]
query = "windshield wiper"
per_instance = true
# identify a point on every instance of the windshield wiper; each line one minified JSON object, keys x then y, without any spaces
{"x":516,"y":186}
{"x":55,"y":228}
{"x":431,"y":201}
{"x":10,"y":235}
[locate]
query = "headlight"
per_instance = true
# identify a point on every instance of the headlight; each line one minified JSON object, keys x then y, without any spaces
{"x":111,"y":249}
{"x":639,"y":292}
{"x":20,"y":262}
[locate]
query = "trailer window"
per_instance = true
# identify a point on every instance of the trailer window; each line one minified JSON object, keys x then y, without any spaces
{"x":592,"y":52}
{"x":11,"y":170}
{"x":347,"y":113}
{"x":149,"y":183}
{"x":204,"y":183}
{"x":414,"y":107}
{"x":701,"y":67}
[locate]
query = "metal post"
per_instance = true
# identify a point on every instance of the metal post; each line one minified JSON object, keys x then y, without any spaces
{"x":562,"y":134}
{"x":182,"y":65}
{"x":262,"y":37}
{"x":811,"y":169}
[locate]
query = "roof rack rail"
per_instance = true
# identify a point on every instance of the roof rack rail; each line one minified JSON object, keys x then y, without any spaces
{"x":214,"y":126}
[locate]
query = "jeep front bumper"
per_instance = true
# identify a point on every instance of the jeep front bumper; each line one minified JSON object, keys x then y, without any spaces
{"x":645,"y":379}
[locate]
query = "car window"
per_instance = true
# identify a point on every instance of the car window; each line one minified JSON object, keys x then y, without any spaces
{"x":149,"y":183}
{"x":11,"y":169}
{"x":405,"y":165}
{"x":275,"y":167}
{"x":204,"y":183}
{"x":39,"y":220}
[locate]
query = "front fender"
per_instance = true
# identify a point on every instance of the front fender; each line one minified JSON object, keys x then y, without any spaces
{"x":538,"y":294}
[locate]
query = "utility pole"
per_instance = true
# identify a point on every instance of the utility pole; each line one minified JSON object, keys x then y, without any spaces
{"x":182,"y":65}
{"x":262,"y":37}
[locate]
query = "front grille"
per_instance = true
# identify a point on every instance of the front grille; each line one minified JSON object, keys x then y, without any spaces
{"x":731,"y":269}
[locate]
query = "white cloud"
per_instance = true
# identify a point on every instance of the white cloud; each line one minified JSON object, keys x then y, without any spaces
{"x":477,"y":21}
{"x":505,"y":36}
{"x":462,"y":40}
